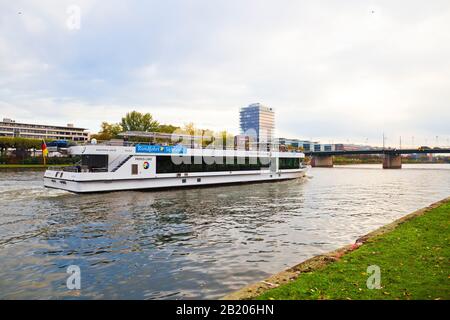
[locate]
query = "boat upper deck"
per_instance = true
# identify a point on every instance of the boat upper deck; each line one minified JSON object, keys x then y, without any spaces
{"x":156,"y":149}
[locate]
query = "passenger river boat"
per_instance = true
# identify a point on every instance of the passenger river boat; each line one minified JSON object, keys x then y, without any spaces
{"x":139,"y":166}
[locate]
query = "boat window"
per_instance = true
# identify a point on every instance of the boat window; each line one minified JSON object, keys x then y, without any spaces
{"x":95,"y":161}
{"x":264,"y":162}
{"x":134,"y":169}
{"x":289,"y":163}
{"x":164,"y":164}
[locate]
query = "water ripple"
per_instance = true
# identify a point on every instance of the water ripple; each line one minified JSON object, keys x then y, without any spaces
{"x":198,"y":243}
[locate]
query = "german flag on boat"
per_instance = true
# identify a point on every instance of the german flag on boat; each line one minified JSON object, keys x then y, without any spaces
{"x":44,"y":150}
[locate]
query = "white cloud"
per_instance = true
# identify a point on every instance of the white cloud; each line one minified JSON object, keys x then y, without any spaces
{"x":331,"y":70}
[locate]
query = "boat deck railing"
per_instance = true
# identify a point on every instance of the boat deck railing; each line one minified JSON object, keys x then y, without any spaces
{"x":253,"y":147}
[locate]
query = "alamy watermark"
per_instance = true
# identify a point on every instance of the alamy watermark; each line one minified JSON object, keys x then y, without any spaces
{"x":73,"y":21}
{"x":74,"y":280}
{"x":220,"y":149}
{"x":374,"y":280}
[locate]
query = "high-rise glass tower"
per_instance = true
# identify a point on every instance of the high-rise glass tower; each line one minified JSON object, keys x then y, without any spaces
{"x":259,"y":118}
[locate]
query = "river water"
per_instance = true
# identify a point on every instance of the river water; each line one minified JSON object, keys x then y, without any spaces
{"x":196,"y":243}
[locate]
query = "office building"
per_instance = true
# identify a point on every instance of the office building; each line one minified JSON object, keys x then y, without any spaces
{"x":258,"y":119}
{"x":11,"y":128}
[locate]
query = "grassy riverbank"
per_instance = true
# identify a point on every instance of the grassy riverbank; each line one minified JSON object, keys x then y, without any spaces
{"x":413,"y":259}
{"x":412,"y":254}
{"x":30,"y":166}
{"x":347,"y":160}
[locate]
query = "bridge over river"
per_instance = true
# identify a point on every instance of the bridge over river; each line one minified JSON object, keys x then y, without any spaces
{"x":392,"y":157}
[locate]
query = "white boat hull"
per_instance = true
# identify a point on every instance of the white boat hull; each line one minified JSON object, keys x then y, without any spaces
{"x":103,"y":182}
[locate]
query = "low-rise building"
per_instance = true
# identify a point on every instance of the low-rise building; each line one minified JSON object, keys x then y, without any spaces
{"x":305,"y":145}
{"x":11,"y":128}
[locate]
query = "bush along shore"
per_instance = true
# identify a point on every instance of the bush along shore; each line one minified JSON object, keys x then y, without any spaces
{"x":407,"y":259}
{"x":376,"y":160}
{"x":31,"y":166}
{"x":35,"y":163}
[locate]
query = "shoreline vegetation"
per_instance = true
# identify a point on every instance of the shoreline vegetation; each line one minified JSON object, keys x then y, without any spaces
{"x":412,"y":254}
{"x":31,"y":166}
{"x":379,"y":160}
{"x":42,"y":166}
{"x":25,"y":151}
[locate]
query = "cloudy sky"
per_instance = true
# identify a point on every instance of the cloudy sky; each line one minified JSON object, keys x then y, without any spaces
{"x":333,"y":70}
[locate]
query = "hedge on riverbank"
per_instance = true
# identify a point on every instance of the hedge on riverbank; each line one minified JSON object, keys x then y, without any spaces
{"x":38,"y":160}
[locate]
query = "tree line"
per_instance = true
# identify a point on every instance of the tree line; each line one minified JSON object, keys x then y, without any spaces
{"x":136,"y":121}
{"x":19,"y":144}
{"x":132,"y":121}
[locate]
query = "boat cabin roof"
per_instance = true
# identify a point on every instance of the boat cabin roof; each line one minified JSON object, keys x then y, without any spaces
{"x":155,"y":149}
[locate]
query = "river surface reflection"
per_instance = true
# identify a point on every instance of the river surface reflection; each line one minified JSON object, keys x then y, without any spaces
{"x":196,"y":243}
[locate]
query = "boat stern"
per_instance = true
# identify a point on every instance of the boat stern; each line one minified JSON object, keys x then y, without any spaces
{"x":59,"y":179}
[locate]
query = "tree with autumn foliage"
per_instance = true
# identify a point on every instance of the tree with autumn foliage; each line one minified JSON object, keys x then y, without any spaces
{"x":136,"y":121}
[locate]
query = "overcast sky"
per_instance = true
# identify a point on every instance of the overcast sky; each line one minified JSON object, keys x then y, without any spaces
{"x":334,"y":71}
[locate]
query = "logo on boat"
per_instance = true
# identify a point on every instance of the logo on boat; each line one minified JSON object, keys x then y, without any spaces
{"x":143,"y":148}
{"x":146,"y":165}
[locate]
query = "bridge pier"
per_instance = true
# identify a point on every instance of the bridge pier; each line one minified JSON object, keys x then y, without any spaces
{"x":322,"y":161}
{"x":392,"y":161}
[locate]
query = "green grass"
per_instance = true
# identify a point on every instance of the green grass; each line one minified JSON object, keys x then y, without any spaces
{"x":413,"y":259}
